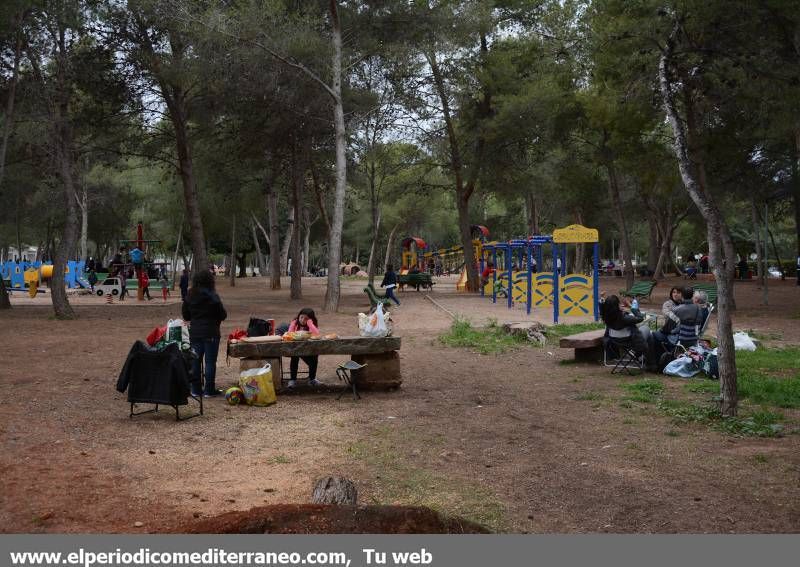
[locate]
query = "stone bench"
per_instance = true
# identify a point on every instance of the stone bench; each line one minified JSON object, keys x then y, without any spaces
{"x":379,"y":354}
{"x":588,"y":345}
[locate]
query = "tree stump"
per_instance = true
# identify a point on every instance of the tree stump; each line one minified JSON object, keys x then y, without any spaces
{"x":532,"y":331}
{"x":334,"y":490}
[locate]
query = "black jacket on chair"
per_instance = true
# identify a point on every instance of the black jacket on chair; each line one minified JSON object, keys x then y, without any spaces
{"x":154,"y":376}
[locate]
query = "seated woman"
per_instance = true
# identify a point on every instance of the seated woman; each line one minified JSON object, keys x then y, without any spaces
{"x":675,"y":299}
{"x":623,"y":325}
{"x":306,"y":320}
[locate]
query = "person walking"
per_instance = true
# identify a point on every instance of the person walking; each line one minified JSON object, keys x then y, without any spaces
{"x":184,"y":284}
{"x":390,"y":282}
{"x":145,"y":280}
{"x":204,"y":311}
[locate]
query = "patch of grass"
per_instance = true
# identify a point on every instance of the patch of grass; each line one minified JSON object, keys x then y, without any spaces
{"x":626,"y":404}
{"x":757,"y":424}
{"x":770,"y":376}
{"x":589,"y":396}
{"x":645,"y":391}
{"x":279,"y":460}
{"x":672,"y":433}
{"x":760,"y":458}
{"x":770,"y":336}
{"x":485,"y":340}
{"x":398,"y":481}
{"x":702,"y":387}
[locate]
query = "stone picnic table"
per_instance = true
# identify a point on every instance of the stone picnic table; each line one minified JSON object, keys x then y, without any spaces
{"x":379,"y":354}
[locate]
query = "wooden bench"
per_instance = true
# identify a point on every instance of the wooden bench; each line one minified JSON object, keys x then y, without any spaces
{"x":588,"y":345}
{"x":420,"y":280}
{"x":640,"y":290}
{"x":375,"y":297}
{"x":380,"y":355}
{"x":709,"y":288}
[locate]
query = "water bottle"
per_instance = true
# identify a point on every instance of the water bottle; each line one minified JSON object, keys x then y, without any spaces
{"x":635,"y":304}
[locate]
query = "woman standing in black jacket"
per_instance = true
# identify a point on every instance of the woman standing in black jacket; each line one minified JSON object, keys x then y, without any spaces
{"x":203,"y":309}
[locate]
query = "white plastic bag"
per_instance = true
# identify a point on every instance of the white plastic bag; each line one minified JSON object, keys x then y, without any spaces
{"x":376,"y":324}
{"x":177,"y":331}
{"x":742,"y":341}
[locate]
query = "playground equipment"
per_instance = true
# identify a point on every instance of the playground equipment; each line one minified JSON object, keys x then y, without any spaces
{"x":413,"y":254}
{"x":452,"y":259}
{"x":22,"y":275}
{"x":137,"y":260}
{"x":577,"y":293}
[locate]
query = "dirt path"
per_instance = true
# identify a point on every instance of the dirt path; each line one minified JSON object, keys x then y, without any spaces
{"x":518,"y":441}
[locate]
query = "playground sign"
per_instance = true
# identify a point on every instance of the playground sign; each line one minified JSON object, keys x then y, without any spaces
{"x":575,"y":234}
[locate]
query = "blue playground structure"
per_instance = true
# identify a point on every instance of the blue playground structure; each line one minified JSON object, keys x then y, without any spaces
{"x":518,"y":280}
{"x":21,"y":274}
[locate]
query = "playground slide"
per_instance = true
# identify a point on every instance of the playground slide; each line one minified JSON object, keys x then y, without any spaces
{"x":84,"y":283}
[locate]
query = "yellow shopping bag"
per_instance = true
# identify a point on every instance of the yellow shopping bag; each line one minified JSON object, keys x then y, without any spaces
{"x":257,"y":386}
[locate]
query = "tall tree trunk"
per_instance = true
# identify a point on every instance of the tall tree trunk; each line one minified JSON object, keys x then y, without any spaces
{"x":186,"y":170}
{"x":373,"y":248}
{"x":232,"y":274}
{"x":298,"y":180}
{"x":259,"y":255}
{"x":307,"y":224}
{"x":463,"y":190}
{"x":8,"y":119}
{"x":389,"y":246}
{"x":760,"y":248}
{"x":335,"y":237}
{"x":531,"y":214}
{"x":721,"y":265}
{"x":274,"y":237}
{"x":83,"y":205}
{"x":625,"y":239}
{"x":287,"y":242}
{"x":796,"y":195}
{"x":58,"y":291}
{"x":654,"y":244}
{"x":175,"y":255}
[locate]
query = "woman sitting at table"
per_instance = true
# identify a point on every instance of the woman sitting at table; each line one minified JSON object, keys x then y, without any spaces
{"x":306,"y":320}
{"x":623,"y":325}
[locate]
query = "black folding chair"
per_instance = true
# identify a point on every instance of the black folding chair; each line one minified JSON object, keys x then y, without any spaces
{"x":619,"y":353}
{"x":343,"y":372}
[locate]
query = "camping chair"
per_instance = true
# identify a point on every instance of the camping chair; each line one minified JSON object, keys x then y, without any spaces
{"x":161,"y":377}
{"x":623,"y":356}
{"x":343,"y":372}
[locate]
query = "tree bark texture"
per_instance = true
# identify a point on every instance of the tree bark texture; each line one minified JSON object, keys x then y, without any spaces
{"x":335,"y":237}
{"x":259,"y":254}
{"x":721,"y":264}
{"x":232,"y":274}
{"x":274,"y":237}
{"x":298,"y":180}
{"x":619,"y":212}
{"x":389,"y":247}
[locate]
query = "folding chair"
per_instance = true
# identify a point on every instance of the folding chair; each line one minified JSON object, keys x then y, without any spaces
{"x":623,"y":355}
{"x":343,"y":373}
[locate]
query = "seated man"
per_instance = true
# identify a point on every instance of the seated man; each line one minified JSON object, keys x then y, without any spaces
{"x":682,"y":324}
{"x":700,"y":298}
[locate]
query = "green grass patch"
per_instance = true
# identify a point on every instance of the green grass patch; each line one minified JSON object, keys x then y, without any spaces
{"x":770,"y":376}
{"x":589,"y":396}
{"x":702,"y":387}
{"x":646,"y":391}
{"x":485,"y":340}
{"x":757,"y":424}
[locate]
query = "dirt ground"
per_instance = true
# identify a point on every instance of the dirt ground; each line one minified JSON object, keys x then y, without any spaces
{"x":516,"y":442}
